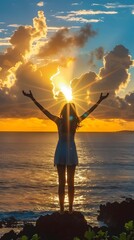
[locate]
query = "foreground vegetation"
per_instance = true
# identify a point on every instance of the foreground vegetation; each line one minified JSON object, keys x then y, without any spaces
{"x":127,"y":234}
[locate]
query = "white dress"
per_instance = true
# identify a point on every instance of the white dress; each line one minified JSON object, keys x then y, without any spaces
{"x":65,"y":153}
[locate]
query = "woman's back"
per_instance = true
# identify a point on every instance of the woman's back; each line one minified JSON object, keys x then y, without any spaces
{"x":67,"y":129}
{"x":68,"y":122}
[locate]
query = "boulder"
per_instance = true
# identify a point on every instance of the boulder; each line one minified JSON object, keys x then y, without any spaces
{"x":61,"y":226}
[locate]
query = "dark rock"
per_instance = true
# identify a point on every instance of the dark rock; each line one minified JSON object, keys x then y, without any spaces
{"x":115,"y":215}
{"x":9,"y":236}
{"x":29,"y":230}
{"x":61,"y":226}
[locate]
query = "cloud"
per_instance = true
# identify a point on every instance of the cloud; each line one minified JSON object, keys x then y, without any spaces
{"x":77,"y":3}
{"x":79,"y":19}
{"x":116,"y":66}
{"x":17,"y":71}
{"x":5,"y":41}
{"x":112,"y":77}
{"x":114,"y":5}
{"x":97,"y":54}
{"x":62,"y":40}
{"x":28,"y":76}
{"x":130,"y":98}
{"x":110,"y":5}
{"x":20,"y":69}
{"x":37,"y":78}
{"x":40,"y":4}
{"x":55,"y":29}
{"x":91,"y":12}
{"x":76,"y":15}
{"x":21,"y":47}
{"x":14,"y":25}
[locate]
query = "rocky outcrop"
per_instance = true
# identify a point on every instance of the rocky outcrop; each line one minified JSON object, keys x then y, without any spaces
{"x":53,"y":227}
{"x":67,"y":226}
{"x":115,"y":215}
{"x":61,"y":226}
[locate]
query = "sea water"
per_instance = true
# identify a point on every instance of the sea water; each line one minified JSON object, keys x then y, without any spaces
{"x":28,"y":178}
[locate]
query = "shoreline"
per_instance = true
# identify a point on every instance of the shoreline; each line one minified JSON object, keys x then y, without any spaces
{"x":114,"y":214}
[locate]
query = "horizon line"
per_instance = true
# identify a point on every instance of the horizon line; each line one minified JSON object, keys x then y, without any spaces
{"x":57,"y":131}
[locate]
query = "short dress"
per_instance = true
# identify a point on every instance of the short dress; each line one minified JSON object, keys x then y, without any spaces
{"x":65,"y":153}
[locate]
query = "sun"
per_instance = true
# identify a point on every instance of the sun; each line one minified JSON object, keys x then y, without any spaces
{"x":61,"y":85}
{"x":67,"y":91}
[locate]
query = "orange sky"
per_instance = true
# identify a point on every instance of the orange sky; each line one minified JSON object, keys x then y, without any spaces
{"x":88,"y":125}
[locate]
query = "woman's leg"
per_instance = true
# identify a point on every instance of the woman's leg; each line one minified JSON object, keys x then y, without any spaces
{"x":61,"y":189}
{"x":70,"y":181}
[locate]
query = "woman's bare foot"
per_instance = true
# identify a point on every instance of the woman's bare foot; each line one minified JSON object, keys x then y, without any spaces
{"x":62,"y":210}
{"x":70,"y":209}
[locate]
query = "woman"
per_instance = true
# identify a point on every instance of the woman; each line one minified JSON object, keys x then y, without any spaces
{"x":66,"y":154}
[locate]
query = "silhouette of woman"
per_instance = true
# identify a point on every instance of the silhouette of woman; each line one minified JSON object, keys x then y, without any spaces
{"x":66,"y":154}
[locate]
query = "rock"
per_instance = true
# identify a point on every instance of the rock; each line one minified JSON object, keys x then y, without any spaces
{"x":53,"y":227}
{"x":9,"y":236}
{"x":61,"y":226}
{"x":1,"y":225}
{"x":115,"y":215}
{"x":29,"y":230}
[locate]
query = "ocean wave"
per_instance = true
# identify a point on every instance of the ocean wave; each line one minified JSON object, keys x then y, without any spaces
{"x":23,"y":215}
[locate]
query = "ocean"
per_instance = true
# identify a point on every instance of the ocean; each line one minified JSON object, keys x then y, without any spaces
{"x":28,"y":178}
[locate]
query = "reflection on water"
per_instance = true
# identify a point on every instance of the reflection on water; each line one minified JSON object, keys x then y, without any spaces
{"x":28,"y":179}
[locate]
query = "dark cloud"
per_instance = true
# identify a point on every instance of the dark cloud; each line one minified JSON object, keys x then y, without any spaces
{"x":97,"y":54}
{"x":63,"y":39}
{"x":111,"y":78}
{"x":83,"y":35}
{"x":115,"y":71}
{"x":91,"y":61}
{"x":130,"y":98}
{"x":21,"y":39}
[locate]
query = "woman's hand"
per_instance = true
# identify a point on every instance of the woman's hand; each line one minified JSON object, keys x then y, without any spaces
{"x":30,"y":95}
{"x":102,"y":97}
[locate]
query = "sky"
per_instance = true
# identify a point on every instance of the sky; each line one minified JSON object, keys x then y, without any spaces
{"x":62,"y":48}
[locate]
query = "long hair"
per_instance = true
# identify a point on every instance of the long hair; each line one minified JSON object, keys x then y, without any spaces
{"x":69,"y":117}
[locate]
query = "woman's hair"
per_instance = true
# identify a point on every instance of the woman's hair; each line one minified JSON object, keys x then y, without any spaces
{"x":69,"y":114}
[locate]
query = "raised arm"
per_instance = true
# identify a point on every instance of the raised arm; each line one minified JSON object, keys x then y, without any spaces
{"x":46,"y":112}
{"x":102,"y":97}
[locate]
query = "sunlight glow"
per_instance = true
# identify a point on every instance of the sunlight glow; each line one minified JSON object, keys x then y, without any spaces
{"x":61,"y":85}
{"x":11,"y":76}
{"x":67,"y":91}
